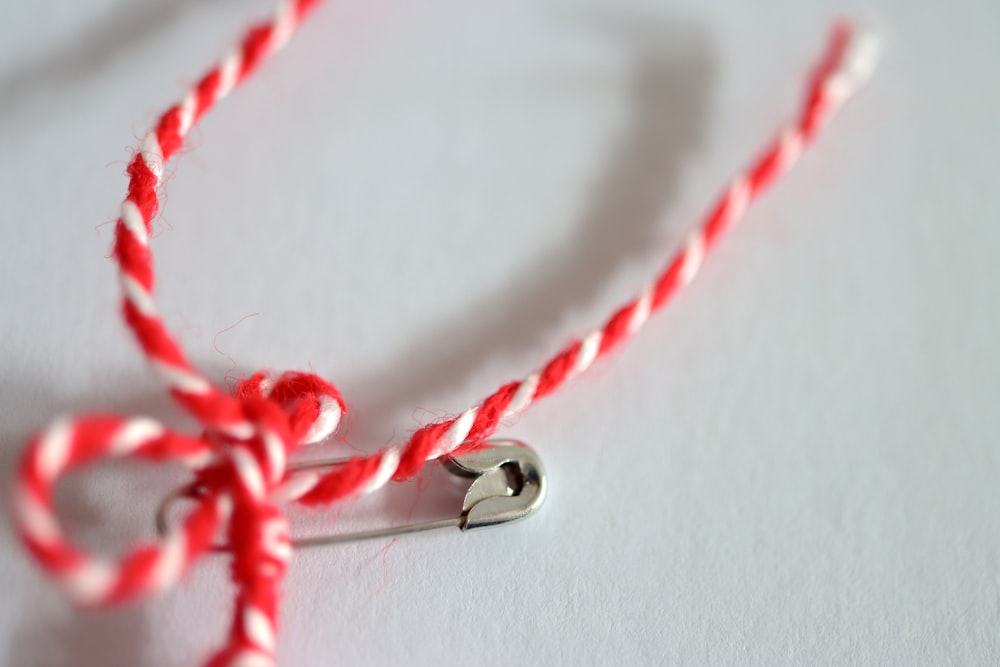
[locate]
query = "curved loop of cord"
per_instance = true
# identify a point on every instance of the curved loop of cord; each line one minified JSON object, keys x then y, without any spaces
{"x":241,"y":459}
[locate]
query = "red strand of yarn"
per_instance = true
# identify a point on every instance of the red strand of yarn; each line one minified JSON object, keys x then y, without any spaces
{"x":240,"y":462}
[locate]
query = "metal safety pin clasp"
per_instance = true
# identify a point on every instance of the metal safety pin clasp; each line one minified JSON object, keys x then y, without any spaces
{"x":508,"y":484}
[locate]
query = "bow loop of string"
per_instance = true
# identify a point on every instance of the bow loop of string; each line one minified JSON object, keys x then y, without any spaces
{"x":241,"y":481}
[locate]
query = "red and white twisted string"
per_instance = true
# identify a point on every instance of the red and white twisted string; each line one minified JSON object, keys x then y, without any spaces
{"x":240,"y":462}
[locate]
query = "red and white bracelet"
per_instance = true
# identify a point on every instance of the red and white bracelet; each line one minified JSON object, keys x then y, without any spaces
{"x":240,"y":462}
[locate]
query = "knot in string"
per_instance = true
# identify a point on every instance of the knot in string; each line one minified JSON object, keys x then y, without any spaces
{"x":314,"y":406}
{"x":285,"y":412}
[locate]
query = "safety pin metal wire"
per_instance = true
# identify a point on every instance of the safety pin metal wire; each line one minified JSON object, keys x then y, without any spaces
{"x":508,"y":484}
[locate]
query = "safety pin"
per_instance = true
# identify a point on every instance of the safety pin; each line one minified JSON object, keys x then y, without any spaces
{"x":508,"y":484}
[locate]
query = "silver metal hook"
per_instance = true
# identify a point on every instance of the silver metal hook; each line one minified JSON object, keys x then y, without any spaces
{"x":508,"y":484}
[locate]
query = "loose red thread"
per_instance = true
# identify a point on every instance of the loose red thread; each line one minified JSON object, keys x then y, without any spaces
{"x":241,"y":459}
{"x":227,"y":378}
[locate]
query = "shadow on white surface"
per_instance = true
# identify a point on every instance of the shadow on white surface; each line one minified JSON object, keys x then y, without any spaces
{"x":669,"y":77}
{"x":117,"y":32}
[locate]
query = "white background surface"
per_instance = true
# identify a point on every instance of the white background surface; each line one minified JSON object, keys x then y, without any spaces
{"x":795,"y":464}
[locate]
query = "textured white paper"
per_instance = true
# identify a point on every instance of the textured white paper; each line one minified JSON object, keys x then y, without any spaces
{"x":795,"y":464}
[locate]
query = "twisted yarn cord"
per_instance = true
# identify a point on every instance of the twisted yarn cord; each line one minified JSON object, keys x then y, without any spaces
{"x":240,"y":461}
